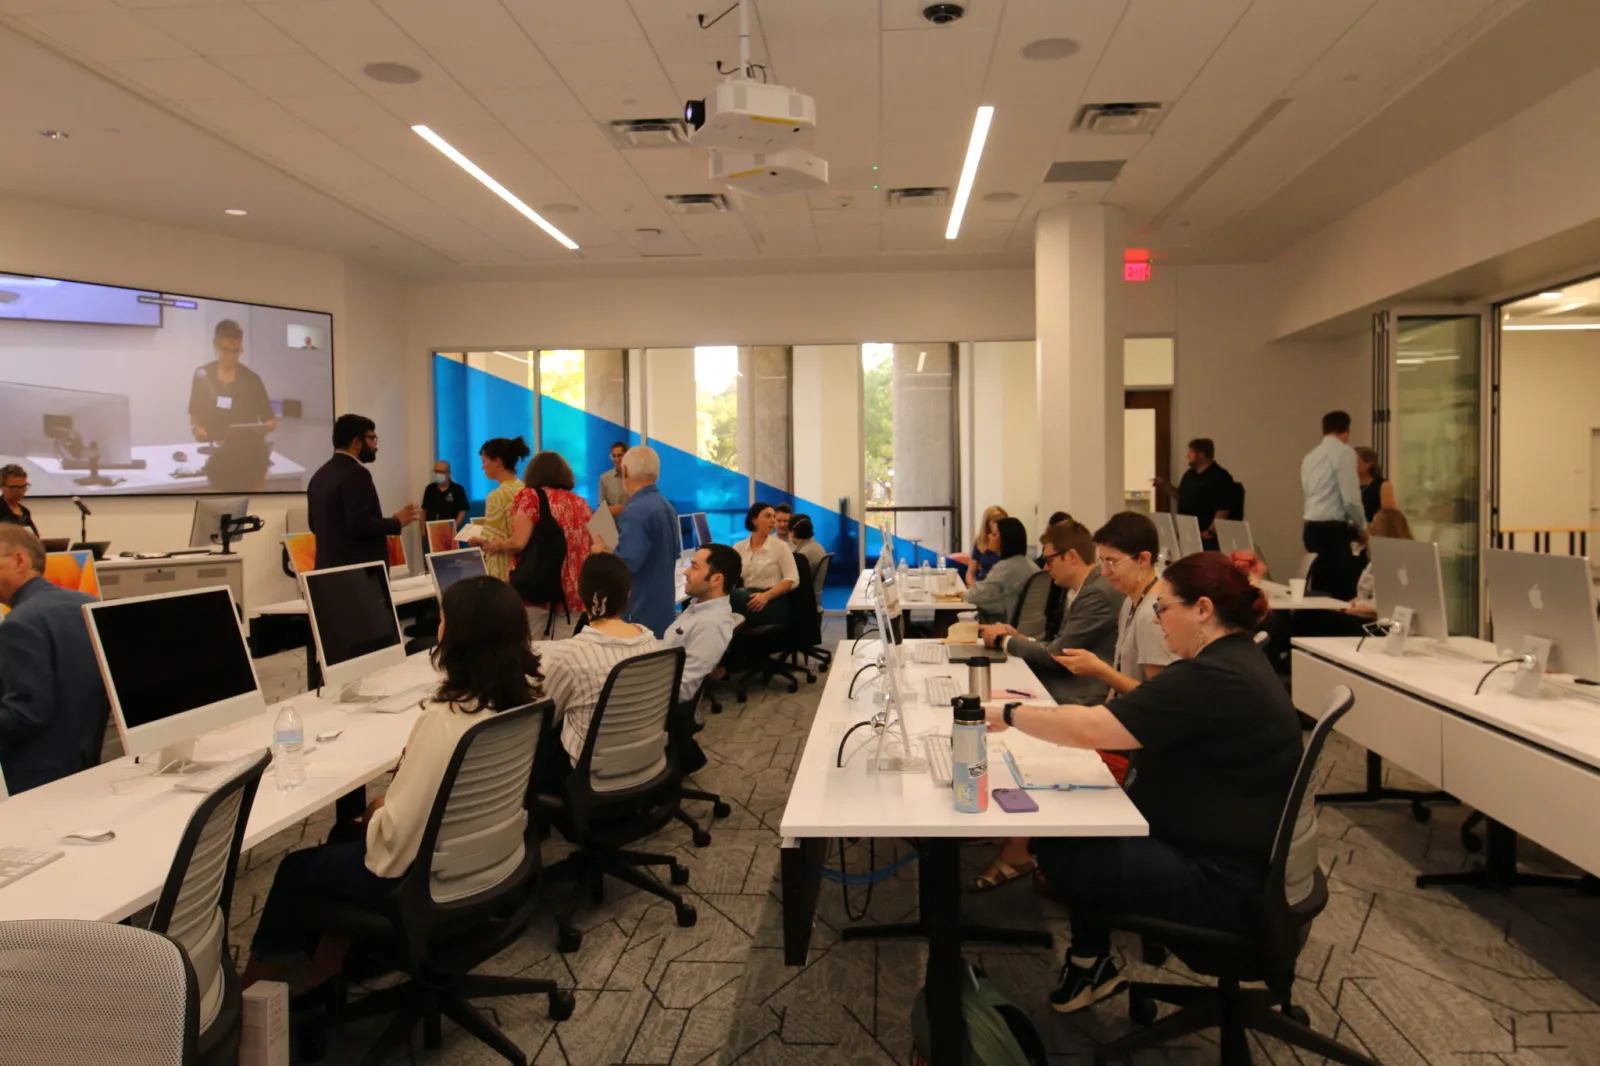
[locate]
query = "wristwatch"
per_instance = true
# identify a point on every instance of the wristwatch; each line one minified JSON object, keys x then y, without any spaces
{"x":1006,"y":714}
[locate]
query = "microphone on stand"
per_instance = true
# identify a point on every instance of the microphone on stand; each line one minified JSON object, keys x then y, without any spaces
{"x":83,"y":520}
{"x":82,"y":508}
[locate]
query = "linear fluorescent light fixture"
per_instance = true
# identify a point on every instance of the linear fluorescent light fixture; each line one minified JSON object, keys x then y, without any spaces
{"x":969,"y":170}
{"x":493,"y":186}
{"x":1553,"y":326}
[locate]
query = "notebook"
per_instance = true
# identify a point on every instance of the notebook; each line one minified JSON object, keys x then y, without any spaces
{"x":1062,"y":770}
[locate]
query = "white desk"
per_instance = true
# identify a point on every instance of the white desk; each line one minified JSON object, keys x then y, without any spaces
{"x":859,"y":607}
{"x":283,"y":475}
{"x":1531,"y":766}
{"x":1279,"y":599}
{"x":403,"y":590}
{"x":827,"y":802}
{"x":121,"y":577}
{"x":108,"y":882}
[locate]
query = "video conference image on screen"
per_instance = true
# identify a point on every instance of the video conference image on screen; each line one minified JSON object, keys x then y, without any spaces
{"x":109,"y":391}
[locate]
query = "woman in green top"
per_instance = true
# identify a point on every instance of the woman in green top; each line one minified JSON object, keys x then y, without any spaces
{"x":500,"y":457}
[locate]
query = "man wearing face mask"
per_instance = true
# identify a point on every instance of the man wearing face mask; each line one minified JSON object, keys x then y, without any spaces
{"x":443,"y":500}
{"x":342,"y":502}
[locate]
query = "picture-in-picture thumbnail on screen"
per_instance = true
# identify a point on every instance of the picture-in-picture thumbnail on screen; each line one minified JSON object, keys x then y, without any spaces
{"x":107,"y":390}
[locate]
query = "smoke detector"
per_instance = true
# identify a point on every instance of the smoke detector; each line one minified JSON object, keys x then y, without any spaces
{"x":1118,"y":118}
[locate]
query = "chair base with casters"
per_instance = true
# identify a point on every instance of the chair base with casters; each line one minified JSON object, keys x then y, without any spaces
{"x":753,"y":661}
{"x":719,"y":809}
{"x":588,"y":869}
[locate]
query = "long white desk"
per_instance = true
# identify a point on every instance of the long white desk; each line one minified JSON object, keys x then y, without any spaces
{"x":160,"y":472}
{"x":828,"y":802}
{"x":402,"y":590}
{"x":108,"y":882}
{"x":122,"y":577}
{"x":913,"y":597}
{"x":1530,"y":766}
{"x":1280,"y":599}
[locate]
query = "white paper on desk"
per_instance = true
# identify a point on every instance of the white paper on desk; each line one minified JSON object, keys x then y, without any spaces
{"x":1041,"y":769}
{"x":469,"y":531}
{"x":603,"y":527}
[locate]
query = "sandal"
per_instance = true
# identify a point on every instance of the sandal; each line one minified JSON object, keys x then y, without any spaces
{"x":1001,"y":873}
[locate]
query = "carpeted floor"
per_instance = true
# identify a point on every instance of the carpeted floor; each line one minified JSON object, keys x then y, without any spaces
{"x":1465,"y":978}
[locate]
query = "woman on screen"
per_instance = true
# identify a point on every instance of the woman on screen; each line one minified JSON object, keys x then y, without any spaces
{"x":224,"y":394}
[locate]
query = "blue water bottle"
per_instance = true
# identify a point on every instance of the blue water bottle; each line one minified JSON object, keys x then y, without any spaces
{"x":969,"y":756}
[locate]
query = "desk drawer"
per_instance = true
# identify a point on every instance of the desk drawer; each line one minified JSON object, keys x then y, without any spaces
{"x":1542,"y":796}
{"x":1401,"y":728}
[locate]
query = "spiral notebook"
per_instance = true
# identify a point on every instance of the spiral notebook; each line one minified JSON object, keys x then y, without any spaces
{"x":1064,"y":770}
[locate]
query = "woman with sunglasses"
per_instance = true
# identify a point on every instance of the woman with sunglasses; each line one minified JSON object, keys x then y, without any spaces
{"x":1215,"y":743}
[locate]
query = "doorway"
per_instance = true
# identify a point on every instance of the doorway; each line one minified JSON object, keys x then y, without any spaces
{"x":1147,"y":429}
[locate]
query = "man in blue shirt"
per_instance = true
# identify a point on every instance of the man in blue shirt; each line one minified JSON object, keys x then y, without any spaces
{"x":53,"y":704}
{"x":647,"y":540}
{"x":1333,"y":513}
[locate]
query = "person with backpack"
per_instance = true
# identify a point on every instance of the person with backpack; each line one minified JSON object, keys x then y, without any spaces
{"x":548,"y":544}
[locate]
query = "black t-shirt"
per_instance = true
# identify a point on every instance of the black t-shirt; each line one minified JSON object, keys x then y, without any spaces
{"x":25,"y":518}
{"x":215,"y":405}
{"x":439,"y":505}
{"x":1204,"y":493}
{"x":1220,"y":743}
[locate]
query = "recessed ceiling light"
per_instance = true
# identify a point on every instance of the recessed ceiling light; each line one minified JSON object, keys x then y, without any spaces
{"x":234,"y":211}
{"x":54,"y":135}
{"x":559,"y":209}
{"x":1551,"y":295}
{"x":1050,"y":48}
{"x":392,"y":73}
{"x":450,"y":152}
{"x":1000,"y":197}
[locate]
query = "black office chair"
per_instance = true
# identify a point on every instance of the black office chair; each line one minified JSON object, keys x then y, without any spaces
{"x":469,"y":895}
{"x":194,"y":904}
{"x":1032,"y":615}
{"x":624,"y":787}
{"x":770,"y":651}
{"x":685,"y":721}
{"x":822,"y":655}
{"x":1267,"y":953}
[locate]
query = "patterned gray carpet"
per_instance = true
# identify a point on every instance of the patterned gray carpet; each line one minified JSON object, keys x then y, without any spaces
{"x":1463,"y":978}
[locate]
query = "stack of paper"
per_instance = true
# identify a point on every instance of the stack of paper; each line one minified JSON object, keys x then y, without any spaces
{"x":1057,"y":769}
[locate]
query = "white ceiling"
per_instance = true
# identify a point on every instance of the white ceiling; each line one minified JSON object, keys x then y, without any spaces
{"x":262,"y":104}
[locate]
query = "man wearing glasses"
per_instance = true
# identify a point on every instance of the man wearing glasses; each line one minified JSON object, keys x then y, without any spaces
{"x":342,"y":502}
{"x":14,"y":480}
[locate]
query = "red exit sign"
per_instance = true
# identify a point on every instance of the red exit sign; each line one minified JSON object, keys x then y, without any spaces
{"x":1136,"y":271}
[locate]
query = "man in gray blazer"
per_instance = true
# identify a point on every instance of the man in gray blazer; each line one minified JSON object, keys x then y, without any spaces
{"x":53,"y":704}
{"x":1090,"y":620}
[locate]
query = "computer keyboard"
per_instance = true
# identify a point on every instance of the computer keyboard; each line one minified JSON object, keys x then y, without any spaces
{"x":941,"y":690}
{"x":400,"y":702}
{"x":937,"y":748}
{"x":214,"y":777}
{"x":930,"y":654}
{"x":18,"y":862}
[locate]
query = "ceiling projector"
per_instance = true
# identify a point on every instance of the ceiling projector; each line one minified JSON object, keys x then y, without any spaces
{"x":769,"y":173}
{"x":749,"y":116}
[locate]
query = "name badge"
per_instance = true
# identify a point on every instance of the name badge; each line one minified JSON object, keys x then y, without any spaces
{"x":224,"y":403}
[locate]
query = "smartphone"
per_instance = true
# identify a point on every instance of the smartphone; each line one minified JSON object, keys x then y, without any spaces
{"x":1014,"y":801}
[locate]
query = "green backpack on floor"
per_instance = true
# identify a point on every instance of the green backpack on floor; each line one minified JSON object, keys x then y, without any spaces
{"x":998,"y":1032}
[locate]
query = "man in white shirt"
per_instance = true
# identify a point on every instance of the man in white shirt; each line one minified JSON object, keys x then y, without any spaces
{"x":706,"y":625}
{"x":1333,"y":513}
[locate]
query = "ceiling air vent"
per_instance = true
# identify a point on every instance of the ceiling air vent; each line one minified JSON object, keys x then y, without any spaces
{"x":1118,"y":118}
{"x":697,"y":203}
{"x":1082,"y":170}
{"x":648,"y":133}
{"x":919,"y":196}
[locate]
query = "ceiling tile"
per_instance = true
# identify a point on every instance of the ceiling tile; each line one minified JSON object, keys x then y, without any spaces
{"x":289,"y":75}
{"x":603,"y":62}
{"x":860,"y":239}
{"x":55,"y":7}
{"x":914,"y":229}
{"x":455,"y":25}
{"x":498,"y":65}
{"x":348,"y":111}
{"x":351,"y":27}
{"x":642,"y":99}
{"x":107,"y":35}
{"x":185,"y":79}
{"x":232,"y":30}
{"x":527,"y":114}
{"x":145,"y":5}
{"x":1159,"y":47}
{"x":240,"y":119}
{"x":564,"y":21}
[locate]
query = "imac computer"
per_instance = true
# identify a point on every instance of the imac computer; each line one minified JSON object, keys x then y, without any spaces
{"x":702,"y":527}
{"x":449,"y":567}
{"x":208,"y":515}
{"x":353,"y":624}
{"x":1189,"y":542}
{"x":441,"y":535}
{"x":1234,"y":536}
{"x":72,"y":570}
{"x":1168,"y":534}
{"x":688,"y":536}
{"x":1409,"y":587}
{"x":175,"y":666}
{"x":399,"y":565}
{"x":1543,"y":607}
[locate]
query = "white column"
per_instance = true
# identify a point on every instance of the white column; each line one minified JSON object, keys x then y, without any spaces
{"x":1077,"y":310}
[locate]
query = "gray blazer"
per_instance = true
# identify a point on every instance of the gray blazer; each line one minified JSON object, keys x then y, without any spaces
{"x":53,"y":705}
{"x":997,"y":594}
{"x":1090,"y":623}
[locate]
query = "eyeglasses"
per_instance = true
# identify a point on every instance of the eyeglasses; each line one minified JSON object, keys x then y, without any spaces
{"x":1160,"y":607}
{"x":1051,"y":557}
{"x":24,"y":487}
{"x":371,"y":438}
{"x":1109,"y":565}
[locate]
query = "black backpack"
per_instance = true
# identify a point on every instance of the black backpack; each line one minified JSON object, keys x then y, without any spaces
{"x":537,"y":577}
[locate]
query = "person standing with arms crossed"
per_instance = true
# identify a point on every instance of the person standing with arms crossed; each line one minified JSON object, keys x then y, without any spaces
{"x":444,"y":500}
{"x":342,"y":502}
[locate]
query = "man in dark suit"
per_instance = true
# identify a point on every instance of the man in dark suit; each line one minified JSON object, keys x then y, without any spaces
{"x":53,"y":704}
{"x":342,"y":502}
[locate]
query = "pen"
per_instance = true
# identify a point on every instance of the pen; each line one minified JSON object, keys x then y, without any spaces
{"x":1019,"y":692}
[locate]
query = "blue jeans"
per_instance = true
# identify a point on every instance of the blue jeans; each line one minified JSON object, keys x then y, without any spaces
{"x":328,"y":871}
{"x":1136,"y":875}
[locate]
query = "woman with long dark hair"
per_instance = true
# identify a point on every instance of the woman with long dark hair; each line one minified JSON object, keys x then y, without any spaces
{"x":486,"y":665}
{"x":500,"y":457}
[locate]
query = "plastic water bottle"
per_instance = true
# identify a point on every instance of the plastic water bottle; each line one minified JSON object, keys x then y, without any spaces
{"x":288,"y":749}
{"x":969,"y":756}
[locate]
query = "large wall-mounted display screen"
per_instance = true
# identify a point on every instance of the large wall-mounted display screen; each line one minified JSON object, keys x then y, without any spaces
{"x":107,"y":390}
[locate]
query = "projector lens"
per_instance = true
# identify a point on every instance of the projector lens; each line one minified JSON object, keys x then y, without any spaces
{"x":694,"y":113}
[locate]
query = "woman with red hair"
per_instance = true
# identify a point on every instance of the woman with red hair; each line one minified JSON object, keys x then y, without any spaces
{"x":1215,"y":743}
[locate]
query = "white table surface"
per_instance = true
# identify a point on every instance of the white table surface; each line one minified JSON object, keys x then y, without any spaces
{"x":1567,"y":724}
{"x":108,"y":882}
{"x":159,"y":465}
{"x":403,"y":591}
{"x":914,"y":598}
{"x":1279,"y":599}
{"x":826,"y":801}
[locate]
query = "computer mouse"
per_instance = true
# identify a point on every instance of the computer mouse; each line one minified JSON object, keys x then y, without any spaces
{"x":180,"y":457}
{"x":329,"y":735}
{"x":92,"y":836}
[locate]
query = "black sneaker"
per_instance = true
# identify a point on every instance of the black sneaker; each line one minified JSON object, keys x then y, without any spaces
{"x":1084,"y":986}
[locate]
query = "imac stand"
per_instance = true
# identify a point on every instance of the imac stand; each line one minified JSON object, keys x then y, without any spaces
{"x":1399,"y":629}
{"x":1530,"y":671}
{"x":175,"y":760}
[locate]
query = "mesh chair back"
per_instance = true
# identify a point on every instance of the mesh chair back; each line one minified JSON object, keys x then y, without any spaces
{"x":478,"y":828}
{"x":1294,"y":850}
{"x":87,"y":993}
{"x":1032,"y":616}
{"x":627,"y":742}
{"x":804,"y":617}
{"x":820,"y":578}
{"x":193,"y":907}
